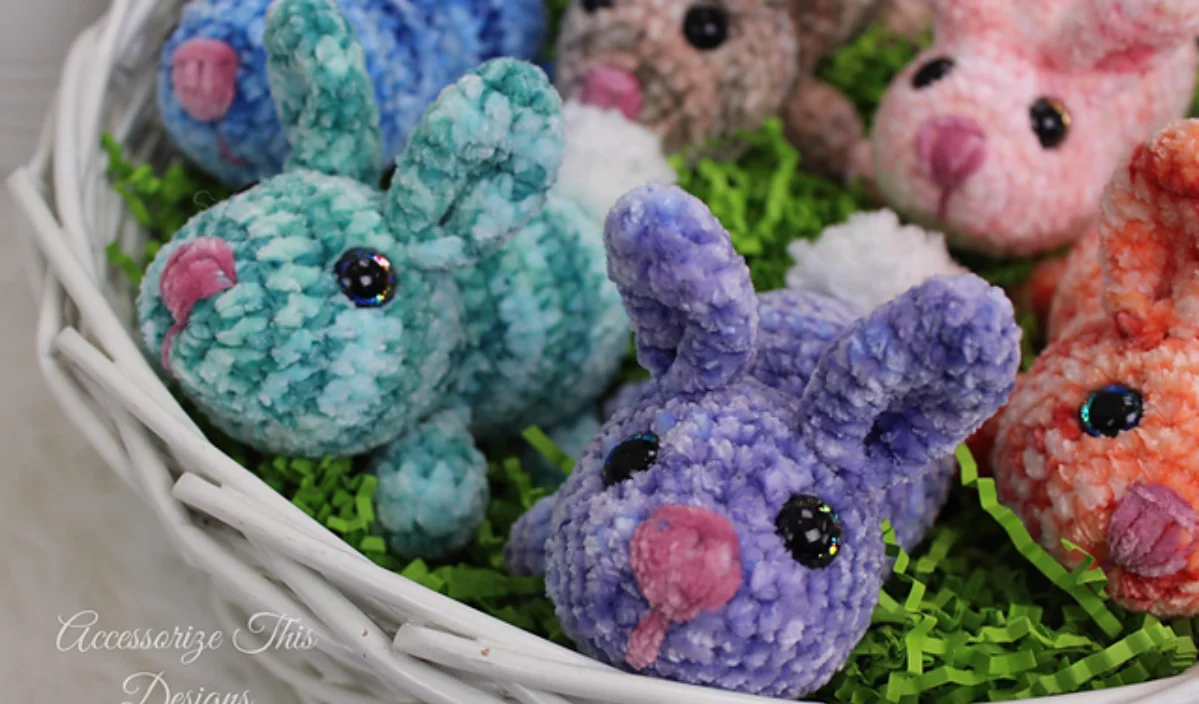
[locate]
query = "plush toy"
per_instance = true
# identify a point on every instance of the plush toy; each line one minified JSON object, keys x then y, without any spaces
{"x":724,"y":529}
{"x":315,"y":315}
{"x":699,"y":71}
{"x":212,"y":78}
{"x":1098,"y":445}
{"x":1004,"y":133}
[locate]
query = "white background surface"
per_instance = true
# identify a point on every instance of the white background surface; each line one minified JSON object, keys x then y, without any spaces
{"x":75,"y":538}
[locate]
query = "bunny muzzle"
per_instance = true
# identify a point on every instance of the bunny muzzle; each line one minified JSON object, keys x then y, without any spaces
{"x":612,"y":88}
{"x":204,"y":77}
{"x":196,"y":271}
{"x":1152,"y":532}
{"x":950,"y":150}
{"x":686,"y":560}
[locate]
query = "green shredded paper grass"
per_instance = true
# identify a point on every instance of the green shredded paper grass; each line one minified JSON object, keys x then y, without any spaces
{"x":979,"y":613}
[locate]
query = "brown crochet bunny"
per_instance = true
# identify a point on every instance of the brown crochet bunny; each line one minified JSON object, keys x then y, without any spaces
{"x":698,"y":70}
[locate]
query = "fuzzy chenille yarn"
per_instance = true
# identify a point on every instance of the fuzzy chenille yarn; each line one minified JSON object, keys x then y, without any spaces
{"x":315,"y":315}
{"x":1004,"y":133}
{"x":1097,"y":446}
{"x":723,"y":529}
{"x":213,"y":88}
{"x":700,"y":71}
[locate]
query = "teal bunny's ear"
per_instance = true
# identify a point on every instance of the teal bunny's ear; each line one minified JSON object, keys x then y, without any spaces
{"x":323,"y":92}
{"x":478,"y":165}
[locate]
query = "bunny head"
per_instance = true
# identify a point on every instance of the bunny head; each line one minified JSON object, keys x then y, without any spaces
{"x":213,"y":95}
{"x":723,"y":532}
{"x":691,"y":71}
{"x":213,"y":85}
{"x":1005,"y":132}
{"x":313,"y":314}
{"x":1098,"y":444}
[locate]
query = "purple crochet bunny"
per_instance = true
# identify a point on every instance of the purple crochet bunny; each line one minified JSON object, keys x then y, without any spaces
{"x":724,"y":527}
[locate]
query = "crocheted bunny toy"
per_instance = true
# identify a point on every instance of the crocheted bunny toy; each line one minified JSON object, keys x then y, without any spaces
{"x":1098,"y":443}
{"x":213,"y":92}
{"x":724,"y":527}
{"x":1005,"y":132}
{"x":315,"y":315}
{"x":699,"y":71}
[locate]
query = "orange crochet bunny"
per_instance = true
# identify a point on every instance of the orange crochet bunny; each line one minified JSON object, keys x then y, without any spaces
{"x":1099,"y":444}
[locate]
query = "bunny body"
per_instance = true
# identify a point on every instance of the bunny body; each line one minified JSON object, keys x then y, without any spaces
{"x":315,"y":315}
{"x":1098,"y":443}
{"x":696,"y":72}
{"x":1005,"y":132}
{"x":213,"y":89}
{"x":723,"y":528}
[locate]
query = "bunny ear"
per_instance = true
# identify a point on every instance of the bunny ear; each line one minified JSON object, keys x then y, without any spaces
{"x":687,"y":291}
{"x":324,"y":95}
{"x":479,"y":164}
{"x":1121,"y":35}
{"x":912,"y":380}
{"x":1149,"y":234}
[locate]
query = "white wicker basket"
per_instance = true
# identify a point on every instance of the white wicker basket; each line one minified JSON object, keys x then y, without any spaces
{"x":380,"y":637}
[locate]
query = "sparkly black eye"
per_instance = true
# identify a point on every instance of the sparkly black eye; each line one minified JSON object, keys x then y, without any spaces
{"x":636,"y":454}
{"x":366,"y":277}
{"x":593,"y":5}
{"x":1111,"y":411}
{"x":1050,"y":121}
{"x":932,"y":72}
{"x":706,"y":26}
{"x":810,"y":529}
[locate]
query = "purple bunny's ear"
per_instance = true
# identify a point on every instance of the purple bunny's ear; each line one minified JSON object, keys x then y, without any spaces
{"x":911,"y":381}
{"x":687,"y":291}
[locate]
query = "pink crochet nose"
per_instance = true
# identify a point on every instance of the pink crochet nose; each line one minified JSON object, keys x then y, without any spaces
{"x":612,"y":88}
{"x":951,"y":150}
{"x":197,"y":270}
{"x":204,"y":74}
{"x":686,"y":560}
{"x":1152,"y":532}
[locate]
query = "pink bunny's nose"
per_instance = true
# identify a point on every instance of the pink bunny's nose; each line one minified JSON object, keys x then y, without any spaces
{"x":197,"y":270}
{"x":951,"y":150}
{"x":1152,"y":532}
{"x":612,"y":88}
{"x":686,"y":560}
{"x":204,"y":75}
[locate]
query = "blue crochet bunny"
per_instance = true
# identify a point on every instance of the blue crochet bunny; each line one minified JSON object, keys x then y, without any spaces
{"x":213,"y":90}
{"x":316,"y":315}
{"x":724,"y":527}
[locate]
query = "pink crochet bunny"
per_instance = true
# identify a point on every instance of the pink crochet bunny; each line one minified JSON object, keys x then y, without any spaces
{"x":1099,"y":444}
{"x":1004,"y":133}
{"x":697,"y":70}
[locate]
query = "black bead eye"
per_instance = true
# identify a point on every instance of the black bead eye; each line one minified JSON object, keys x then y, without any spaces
{"x":634,"y":455}
{"x":593,"y":5}
{"x":706,"y":26}
{"x":1050,"y":122}
{"x":1111,"y":411}
{"x":366,"y":277}
{"x":811,"y":530}
{"x":932,"y":72}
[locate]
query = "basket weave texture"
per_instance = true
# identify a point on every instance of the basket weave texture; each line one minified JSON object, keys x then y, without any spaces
{"x":378,"y":636}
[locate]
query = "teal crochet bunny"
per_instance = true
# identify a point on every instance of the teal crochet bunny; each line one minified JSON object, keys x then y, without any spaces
{"x":315,"y":315}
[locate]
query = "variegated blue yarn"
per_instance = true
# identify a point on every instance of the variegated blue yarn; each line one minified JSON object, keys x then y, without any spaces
{"x":283,"y":361}
{"x":675,"y":548}
{"x":546,"y":327}
{"x":432,"y":486}
{"x":314,"y":315}
{"x":413,"y":49}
